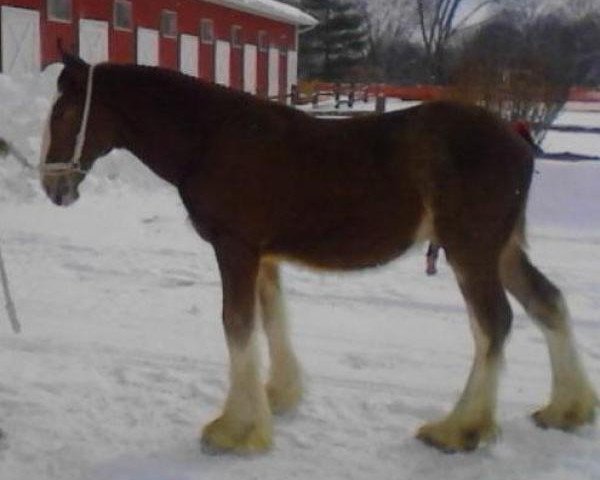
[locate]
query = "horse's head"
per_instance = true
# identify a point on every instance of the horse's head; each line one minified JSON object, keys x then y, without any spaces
{"x":79,"y":130}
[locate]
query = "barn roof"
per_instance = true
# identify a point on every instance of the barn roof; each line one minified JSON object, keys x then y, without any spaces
{"x":270,"y":9}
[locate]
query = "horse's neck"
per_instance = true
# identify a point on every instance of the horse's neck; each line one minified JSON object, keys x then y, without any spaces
{"x":155,"y":130}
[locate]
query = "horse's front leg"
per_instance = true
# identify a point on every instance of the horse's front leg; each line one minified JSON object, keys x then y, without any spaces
{"x":245,"y":424}
{"x":284,"y":388}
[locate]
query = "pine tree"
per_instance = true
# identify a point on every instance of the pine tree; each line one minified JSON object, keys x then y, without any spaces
{"x":334,"y":47}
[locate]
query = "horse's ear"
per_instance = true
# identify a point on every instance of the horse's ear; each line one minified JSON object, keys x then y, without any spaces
{"x":68,"y":58}
{"x":74,"y":74}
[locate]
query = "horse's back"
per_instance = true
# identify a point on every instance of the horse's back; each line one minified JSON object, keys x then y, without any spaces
{"x":445,"y":171}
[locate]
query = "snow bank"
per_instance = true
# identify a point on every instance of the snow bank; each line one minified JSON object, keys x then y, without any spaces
{"x":580,"y":143}
{"x":566,"y":196}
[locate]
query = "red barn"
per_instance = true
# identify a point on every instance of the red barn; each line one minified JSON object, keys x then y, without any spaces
{"x":246,"y":44}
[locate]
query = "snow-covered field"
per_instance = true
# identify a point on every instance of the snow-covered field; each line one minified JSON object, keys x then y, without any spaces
{"x":122,"y":358}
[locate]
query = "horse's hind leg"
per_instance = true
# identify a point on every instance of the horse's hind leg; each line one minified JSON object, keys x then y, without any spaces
{"x":573,"y":399}
{"x":245,"y":424}
{"x":284,"y":388}
{"x":473,"y":418}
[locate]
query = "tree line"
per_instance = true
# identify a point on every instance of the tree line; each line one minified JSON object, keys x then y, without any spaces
{"x":518,"y":58}
{"x":440,"y":41}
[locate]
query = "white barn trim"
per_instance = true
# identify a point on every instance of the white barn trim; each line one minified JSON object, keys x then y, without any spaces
{"x":93,"y":40}
{"x":222,"y":63}
{"x":274,"y":60}
{"x":147,"y":47}
{"x":250,"y":71}
{"x":188,"y":54}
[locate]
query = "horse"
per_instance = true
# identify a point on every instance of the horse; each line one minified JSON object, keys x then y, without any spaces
{"x":264,"y":183}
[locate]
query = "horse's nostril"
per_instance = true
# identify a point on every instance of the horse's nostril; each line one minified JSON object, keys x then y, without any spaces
{"x":58,"y":198}
{"x":62,"y":193}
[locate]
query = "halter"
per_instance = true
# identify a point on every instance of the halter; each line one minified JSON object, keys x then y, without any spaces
{"x":74,"y":165}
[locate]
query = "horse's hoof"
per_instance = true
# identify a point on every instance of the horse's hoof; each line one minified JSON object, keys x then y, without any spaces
{"x":567,"y":418}
{"x":226,"y":436}
{"x":283,"y":400}
{"x":450,"y":437}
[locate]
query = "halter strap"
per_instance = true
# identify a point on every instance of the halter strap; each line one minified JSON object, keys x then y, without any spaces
{"x":75,"y":161}
{"x":75,"y":164}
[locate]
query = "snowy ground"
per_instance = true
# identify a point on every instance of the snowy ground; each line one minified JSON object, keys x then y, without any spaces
{"x":122,"y":357}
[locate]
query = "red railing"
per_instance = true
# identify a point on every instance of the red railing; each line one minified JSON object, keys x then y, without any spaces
{"x":581,"y":94}
{"x":348,"y":92}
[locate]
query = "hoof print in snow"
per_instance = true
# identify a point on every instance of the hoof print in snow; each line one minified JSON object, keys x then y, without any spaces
{"x":3,"y":440}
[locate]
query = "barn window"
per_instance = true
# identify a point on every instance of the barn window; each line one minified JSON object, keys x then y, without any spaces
{"x":236,"y":36}
{"x":168,"y":23}
{"x":122,"y":17}
{"x":207,"y":31}
{"x":263,"y":41}
{"x":59,"y":10}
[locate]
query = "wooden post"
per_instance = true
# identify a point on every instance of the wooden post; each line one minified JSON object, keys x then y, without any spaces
{"x":380,"y":102}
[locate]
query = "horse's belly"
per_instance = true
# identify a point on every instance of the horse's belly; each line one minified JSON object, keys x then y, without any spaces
{"x":351,"y":245}
{"x":345,"y":259}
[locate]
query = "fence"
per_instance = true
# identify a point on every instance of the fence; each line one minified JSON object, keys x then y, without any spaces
{"x":349,"y":93}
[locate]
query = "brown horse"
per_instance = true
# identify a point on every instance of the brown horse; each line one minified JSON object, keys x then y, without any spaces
{"x":265,"y":183}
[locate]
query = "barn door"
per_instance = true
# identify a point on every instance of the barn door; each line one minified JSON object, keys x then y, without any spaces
{"x":188,"y":55}
{"x":147,"y":47}
{"x":93,"y":40}
{"x":250,"y":61}
{"x":292,"y":69}
{"x":20,"y":41}
{"x":222,"y":63}
{"x":273,"y":72}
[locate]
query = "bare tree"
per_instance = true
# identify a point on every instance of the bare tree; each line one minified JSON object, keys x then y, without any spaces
{"x":520,"y":72}
{"x":438,"y":23}
{"x":581,"y":9}
{"x":524,"y":11}
{"x":389,"y":22}
{"x":391,"y":18}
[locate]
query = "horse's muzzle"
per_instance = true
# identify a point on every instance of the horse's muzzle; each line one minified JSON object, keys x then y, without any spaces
{"x":62,"y":190}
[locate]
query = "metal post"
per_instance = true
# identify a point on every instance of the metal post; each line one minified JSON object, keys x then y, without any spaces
{"x":10,"y":305}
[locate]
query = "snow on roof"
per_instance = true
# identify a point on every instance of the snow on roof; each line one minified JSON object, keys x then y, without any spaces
{"x":270,"y":9}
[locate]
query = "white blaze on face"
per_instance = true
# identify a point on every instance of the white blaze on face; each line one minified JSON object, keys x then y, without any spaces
{"x":47,"y":136}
